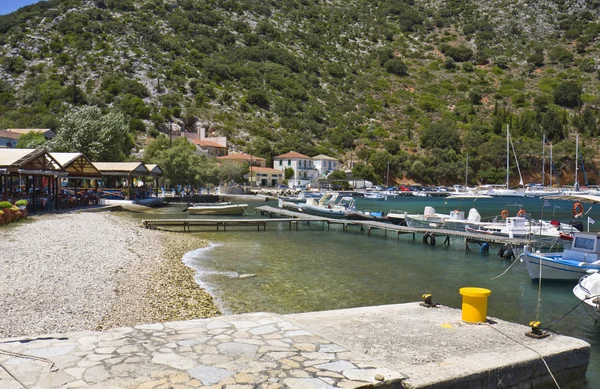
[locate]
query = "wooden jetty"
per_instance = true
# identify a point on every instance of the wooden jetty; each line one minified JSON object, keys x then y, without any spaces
{"x":278,"y":215}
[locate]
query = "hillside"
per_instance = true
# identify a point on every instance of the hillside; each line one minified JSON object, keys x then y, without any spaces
{"x":419,"y":84}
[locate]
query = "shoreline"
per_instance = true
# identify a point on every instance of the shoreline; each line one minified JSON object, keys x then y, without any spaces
{"x":94,"y":271}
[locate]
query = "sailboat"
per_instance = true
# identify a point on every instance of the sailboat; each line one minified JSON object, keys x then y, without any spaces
{"x":506,"y":191}
{"x":541,"y":190}
{"x":576,"y":190}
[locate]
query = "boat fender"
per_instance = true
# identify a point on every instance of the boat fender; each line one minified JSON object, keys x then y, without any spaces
{"x":485,"y":248}
{"x":508,"y":253}
{"x":432,"y":240}
{"x":429,"y":239}
{"x":501,"y":252}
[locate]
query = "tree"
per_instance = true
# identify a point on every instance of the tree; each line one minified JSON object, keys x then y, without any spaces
{"x":365,"y":172}
{"x":288,"y":173}
{"x":232,"y":171}
{"x":101,"y":137}
{"x":553,"y":126}
{"x":31,"y":140}
{"x":442,"y":135}
{"x":181,"y":165}
{"x":396,"y":66}
{"x":459,"y":53}
{"x":568,"y":94}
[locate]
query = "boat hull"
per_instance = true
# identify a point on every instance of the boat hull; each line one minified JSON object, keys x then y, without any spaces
{"x":325,"y":212}
{"x":235,"y":209}
{"x":588,"y":291}
{"x":555,"y":268}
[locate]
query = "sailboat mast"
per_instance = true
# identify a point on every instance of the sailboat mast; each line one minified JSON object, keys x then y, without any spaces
{"x":551,"y":165}
{"x":576,"y":158}
{"x":507,"y":156}
{"x":467,"y":173}
{"x":543,"y":158}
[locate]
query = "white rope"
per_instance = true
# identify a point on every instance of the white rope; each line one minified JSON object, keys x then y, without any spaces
{"x":527,"y":347}
{"x":504,"y":272}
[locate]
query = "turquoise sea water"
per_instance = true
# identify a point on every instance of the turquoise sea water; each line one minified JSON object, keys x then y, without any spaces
{"x":318,"y":269}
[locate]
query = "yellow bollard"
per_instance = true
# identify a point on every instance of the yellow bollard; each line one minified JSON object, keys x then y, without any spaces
{"x":474,"y":304}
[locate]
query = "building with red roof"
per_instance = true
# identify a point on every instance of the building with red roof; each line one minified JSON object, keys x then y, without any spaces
{"x":303,"y":166}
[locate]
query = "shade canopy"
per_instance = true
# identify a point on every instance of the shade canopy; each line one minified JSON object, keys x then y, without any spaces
{"x":137,"y":169}
{"x":155,"y":170}
{"x":77,"y":165}
{"x":29,"y":161}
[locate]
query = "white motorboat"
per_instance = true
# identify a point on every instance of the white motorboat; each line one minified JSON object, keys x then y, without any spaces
{"x":328,"y":207}
{"x":571,"y":264}
{"x":374,"y":196}
{"x":455,"y":220}
{"x":397,"y":217}
{"x":209,"y":209}
{"x":588,"y":291}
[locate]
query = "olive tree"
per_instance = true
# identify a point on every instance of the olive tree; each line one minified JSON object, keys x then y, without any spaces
{"x":101,"y":137}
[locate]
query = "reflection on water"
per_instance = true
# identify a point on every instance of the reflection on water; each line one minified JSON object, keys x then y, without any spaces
{"x":318,"y":269}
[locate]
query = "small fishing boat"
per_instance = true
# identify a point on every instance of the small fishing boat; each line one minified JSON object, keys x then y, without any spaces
{"x":571,"y":264}
{"x":218,"y":209}
{"x":588,"y":291}
{"x":374,"y":196}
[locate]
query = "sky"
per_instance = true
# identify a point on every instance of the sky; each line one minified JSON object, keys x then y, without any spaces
{"x":8,"y":6}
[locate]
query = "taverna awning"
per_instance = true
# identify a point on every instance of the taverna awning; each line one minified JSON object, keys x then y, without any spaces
{"x":77,"y":165}
{"x":29,"y":161}
{"x":155,"y":170}
{"x":123,"y":169}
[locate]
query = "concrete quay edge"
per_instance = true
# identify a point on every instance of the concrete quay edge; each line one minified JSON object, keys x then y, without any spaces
{"x":391,"y":346}
{"x":436,"y":349}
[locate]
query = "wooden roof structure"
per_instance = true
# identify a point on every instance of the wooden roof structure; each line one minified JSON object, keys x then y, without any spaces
{"x":77,"y":165}
{"x":155,"y":170}
{"x":123,"y":169}
{"x":29,"y":161}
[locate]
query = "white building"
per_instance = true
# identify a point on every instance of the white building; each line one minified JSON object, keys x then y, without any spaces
{"x":325,"y":164}
{"x":304,"y":168}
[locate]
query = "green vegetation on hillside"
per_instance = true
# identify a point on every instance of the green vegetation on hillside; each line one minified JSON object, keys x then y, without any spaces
{"x":414,"y":83}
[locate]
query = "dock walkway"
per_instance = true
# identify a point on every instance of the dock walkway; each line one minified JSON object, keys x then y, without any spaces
{"x":278,"y":215}
{"x":398,"y":230}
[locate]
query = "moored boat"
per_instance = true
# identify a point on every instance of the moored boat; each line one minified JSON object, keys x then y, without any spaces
{"x":571,"y":264}
{"x":374,"y":196}
{"x":228,"y":209}
{"x":328,"y":207}
{"x":588,"y":291}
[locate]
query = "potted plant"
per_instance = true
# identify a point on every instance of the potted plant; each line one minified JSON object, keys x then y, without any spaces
{"x":22,"y":205}
{"x":5,"y":206}
{"x":1,"y":217}
{"x":16,"y":213}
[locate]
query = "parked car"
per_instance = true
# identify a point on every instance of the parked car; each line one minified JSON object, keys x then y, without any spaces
{"x":404,"y":188}
{"x":281,"y":186}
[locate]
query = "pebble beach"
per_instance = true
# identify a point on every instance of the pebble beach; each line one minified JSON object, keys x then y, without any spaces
{"x":93,"y":271}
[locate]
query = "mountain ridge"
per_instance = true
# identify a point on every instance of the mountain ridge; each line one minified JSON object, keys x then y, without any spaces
{"x":418,"y":84}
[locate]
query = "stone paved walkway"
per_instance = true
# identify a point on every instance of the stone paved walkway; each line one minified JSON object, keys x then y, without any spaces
{"x":248,"y":351}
